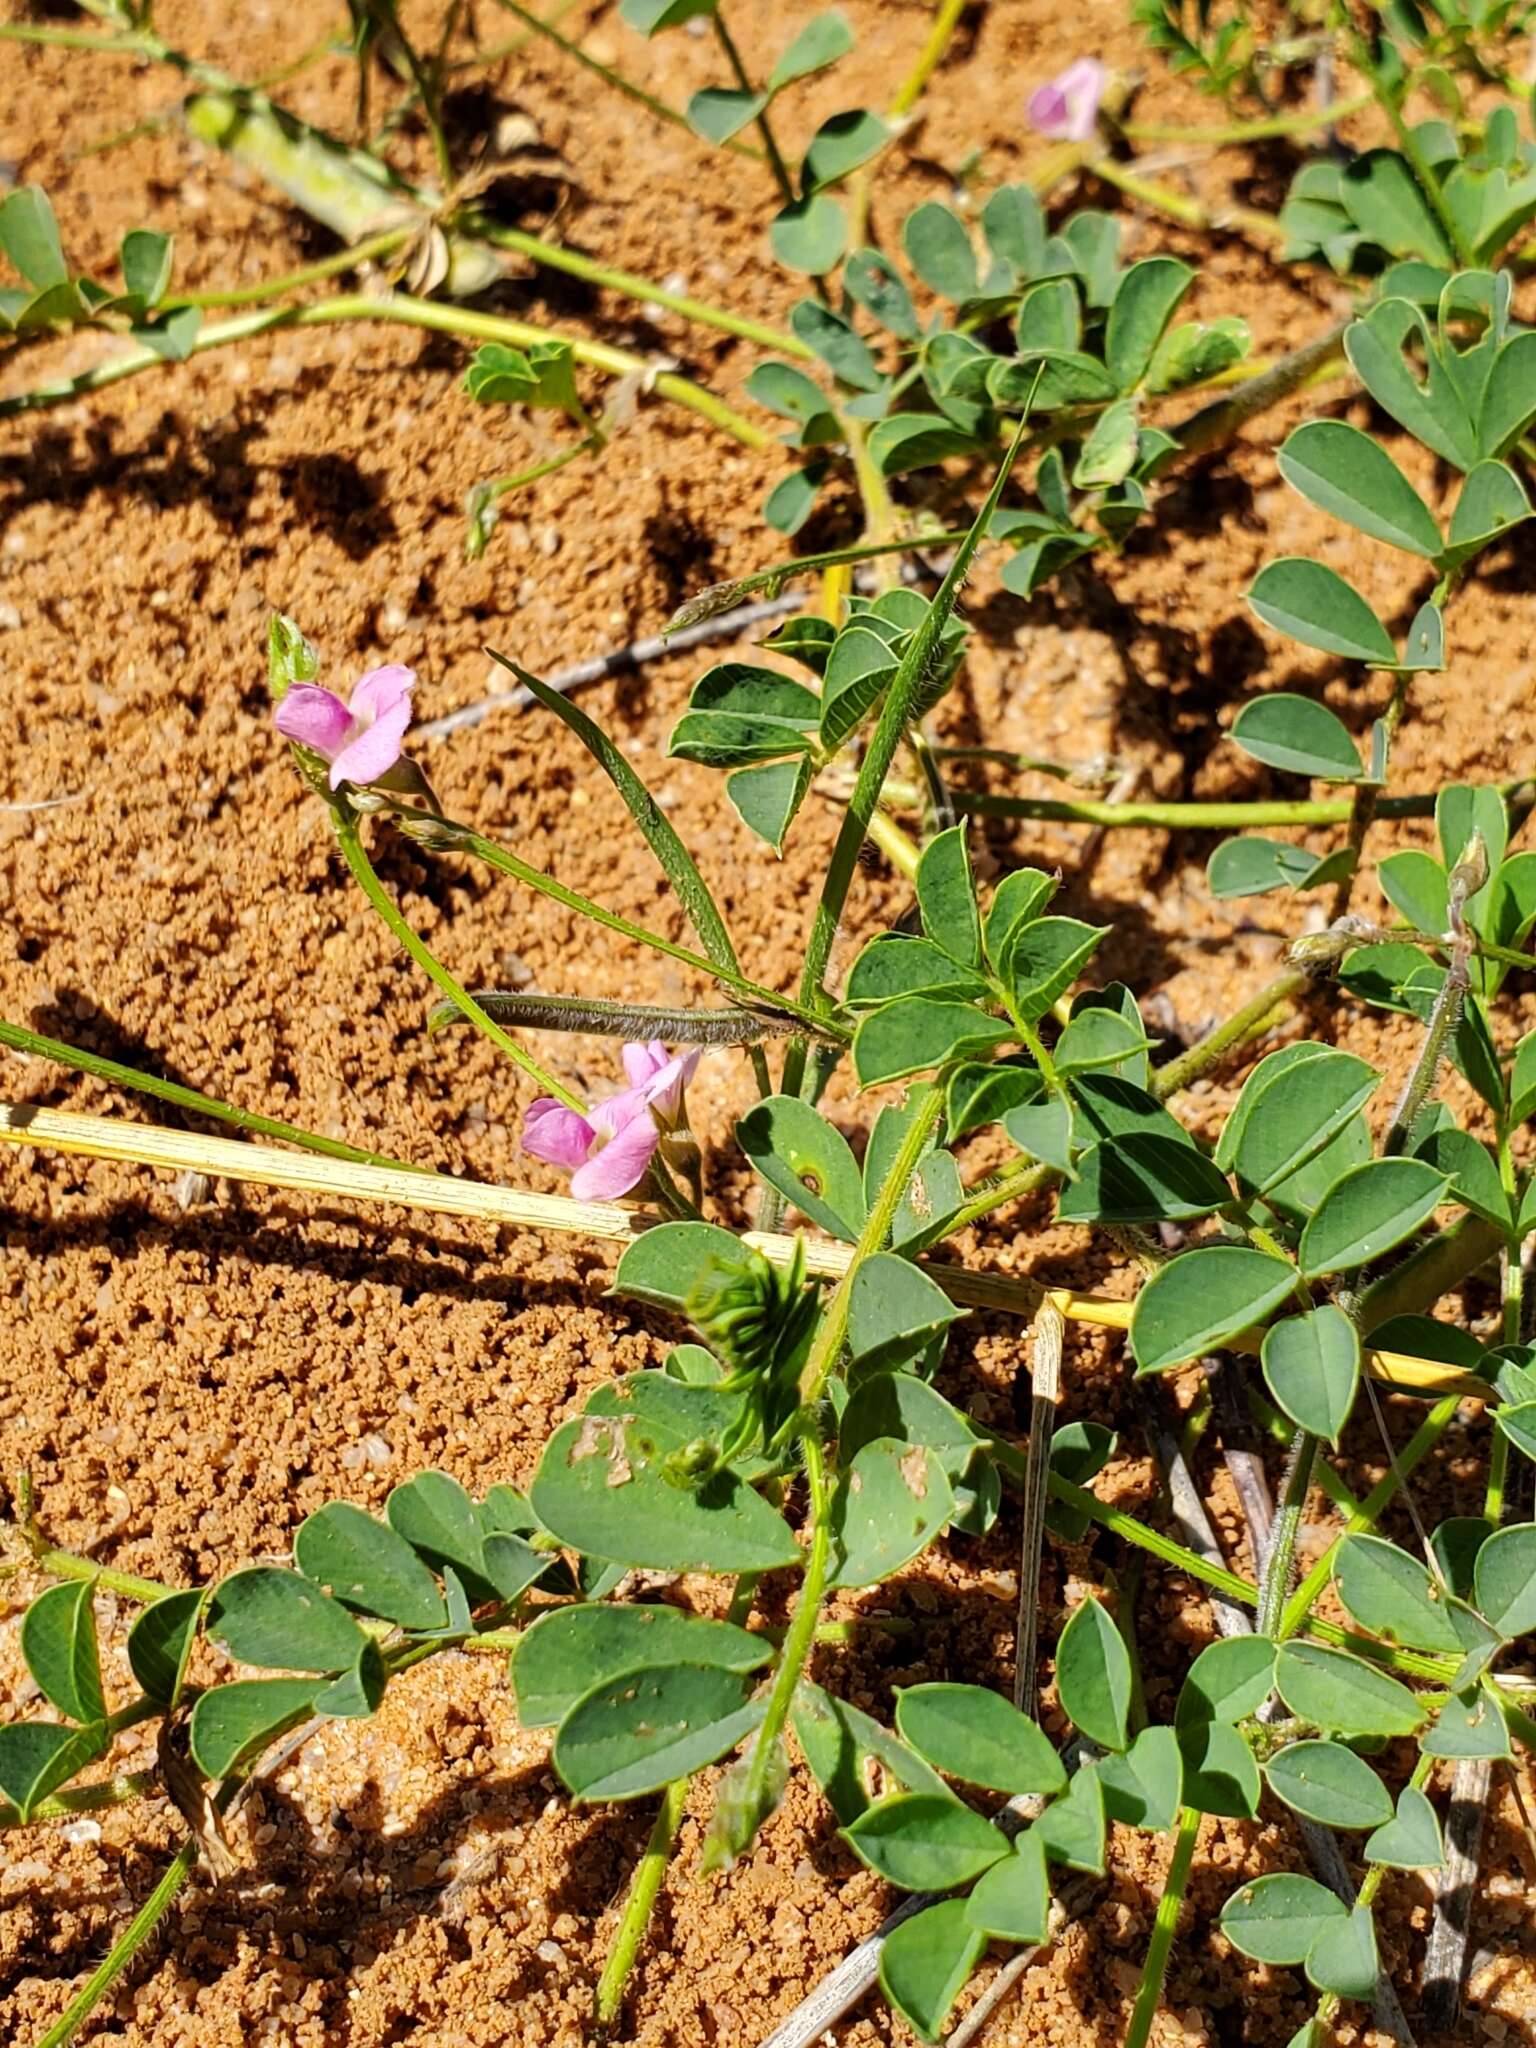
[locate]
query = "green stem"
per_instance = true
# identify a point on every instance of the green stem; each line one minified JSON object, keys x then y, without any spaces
{"x":833,"y":1326}
{"x":350,"y":258}
{"x":611,"y":77}
{"x":716,"y":598}
{"x":946,"y":20}
{"x":1188,"y":1066}
{"x":502,"y":486}
{"x":604,"y":1019}
{"x":1425,"y":175}
{"x":801,"y":1636}
{"x":1164,"y":1928}
{"x":1190,"y":213}
{"x":764,"y":126}
{"x":404,"y":311}
{"x":556,"y":256}
{"x":21,"y":1040}
{"x":1219,"y":421}
{"x":67,"y":1564}
{"x":643,"y":1890}
{"x":1274,"y":1425}
{"x":363,"y":874}
{"x":85,"y":1799}
{"x":1174,"y":816}
{"x":1282,"y":1542}
{"x":1305,"y":122}
{"x":534,"y":878}
{"x":1420,"y":1444}
{"x":124,"y":1949}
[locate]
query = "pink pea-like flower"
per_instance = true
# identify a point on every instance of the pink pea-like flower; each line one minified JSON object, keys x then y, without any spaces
{"x":608,"y":1152}
{"x":1067,"y":108}
{"x":361,"y":740}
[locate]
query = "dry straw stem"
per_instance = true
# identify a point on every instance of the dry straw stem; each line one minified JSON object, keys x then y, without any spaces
{"x":98,"y":1137}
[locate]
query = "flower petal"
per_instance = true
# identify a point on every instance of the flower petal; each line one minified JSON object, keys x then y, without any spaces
{"x":664,"y":1091}
{"x":373,"y":749}
{"x":1067,"y":109}
{"x":620,"y":1166}
{"x":315,"y":718}
{"x":557,"y":1134}
{"x":642,"y":1061}
{"x":382,"y":689}
{"x":614,"y":1112}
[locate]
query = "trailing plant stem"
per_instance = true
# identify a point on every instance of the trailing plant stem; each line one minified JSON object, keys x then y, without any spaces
{"x":1287,"y":1526}
{"x":1164,"y":1928}
{"x":363,"y":874}
{"x":125,"y":1948}
{"x":638,"y":1906}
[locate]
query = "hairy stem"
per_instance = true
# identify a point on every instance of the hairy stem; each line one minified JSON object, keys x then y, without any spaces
{"x":1287,"y":1526}
{"x":1164,"y":1928}
{"x":124,"y":1949}
{"x":644,"y":1888}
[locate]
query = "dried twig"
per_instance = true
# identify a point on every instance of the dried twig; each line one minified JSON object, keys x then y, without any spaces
{"x":622,"y":661}
{"x":1445,"y":1957}
{"x":1049,"y":1334}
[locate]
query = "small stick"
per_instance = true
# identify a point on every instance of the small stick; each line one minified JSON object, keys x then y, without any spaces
{"x":1049,"y":1334}
{"x":1445,"y":1957}
{"x":1242,"y":1460}
{"x":622,"y":661}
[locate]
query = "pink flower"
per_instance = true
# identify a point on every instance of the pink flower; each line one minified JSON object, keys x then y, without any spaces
{"x":361,"y":740}
{"x":1067,"y":108}
{"x":608,"y":1152}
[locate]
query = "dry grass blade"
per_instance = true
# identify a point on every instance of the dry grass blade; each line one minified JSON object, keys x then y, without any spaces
{"x":98,"y":1137}
{"x":1049,"y":1338}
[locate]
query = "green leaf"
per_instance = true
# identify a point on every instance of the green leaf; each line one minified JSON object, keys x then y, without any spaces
{"x":720,"y":111}
{"x":1144,"y":303}
{"x":1297,"y":735}
{"x":160,"y":1642}
{"x":1043,"y":1130}
{"x":1414,"y":883}
{"x":232,"y":1723}
{"x":925,"y":1843}
{"x":842,"y":1745}
{"x":1298,"y":1195}
{"x":1411,"y":1839}
{"x":975,"y":1734}
{"x":1343,"y":1958}
{"x":1202,"y":1300}
{"x":793,"y":498}
{"x":767,"y":798}
{"x":1012,"y":1900}
{"x":1344,"y":1694}
{"x":280,"y":1622}
{"x":1044,"y":957}
{"x":1144,"y":1787}
{"x":824,"y":39}
{"x":1313,"y":604}
{"x":1391,"y":1594}
{"x":916,"y":440}
{"x":1142,"y":1178}
{"x":58,"y":1641}
{"x":893,"y":965}
{"x":1472,"y":1172}
{"x":1229,"y":1680}
{"x":839,"y":146}
{"x":371,"y":1565}
{"x":946,"y":896}
{"x":873,"y":282}
{"x":833,"y":338}
{"x":809,"y":234}
{"x":924,"y":1963}
{"x":1368,"y":1211}
{"x":1509,"y":404}
{"x":939,"y":249}
{"x":1250,"y":866}
{"x":1432,"y":411}
{"x":1468,"y":1725}
{"x":1072,"y":1828}
{"x":1017,"y":901}
{"x":1277,"y":1919}
{"x":807,"y":1159}
{"x":1109,"y":454}
{"x":899,"y":1405}
{"x":604,"y":1487}
{"x":568,"y":1651}
{"x":650,"y":17}
{"x":738,"y":713}
{"x":145,"y":258}
{"x":1098,"y":1037}
{"x":635,"y":1732}
{"x":790,"y":393}
{"x":1093,"y":1676}
{"x":859,"y":669}
{"x":895,"y":1313}
{"x":1312,"y":1366}
{"x":1194,"y":351}
{"x":1327,"y":1782}
{"x":892,"y":1502}
{"x":355,"y":1694}
{"x":37,"y":1757}
{"x":29,"y":235}
{"x":1383,"y":198}
{"x":1506,"y":1580}
{"x":1220,"y":1775}
{"x":1014,"y":227}
{"x":1290,"y":1108}
{"x":1492,"y":500}
{"x":920,"y":1033}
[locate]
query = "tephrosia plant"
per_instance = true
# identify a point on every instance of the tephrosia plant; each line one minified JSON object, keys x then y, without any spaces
{"x":795,"y":1445}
